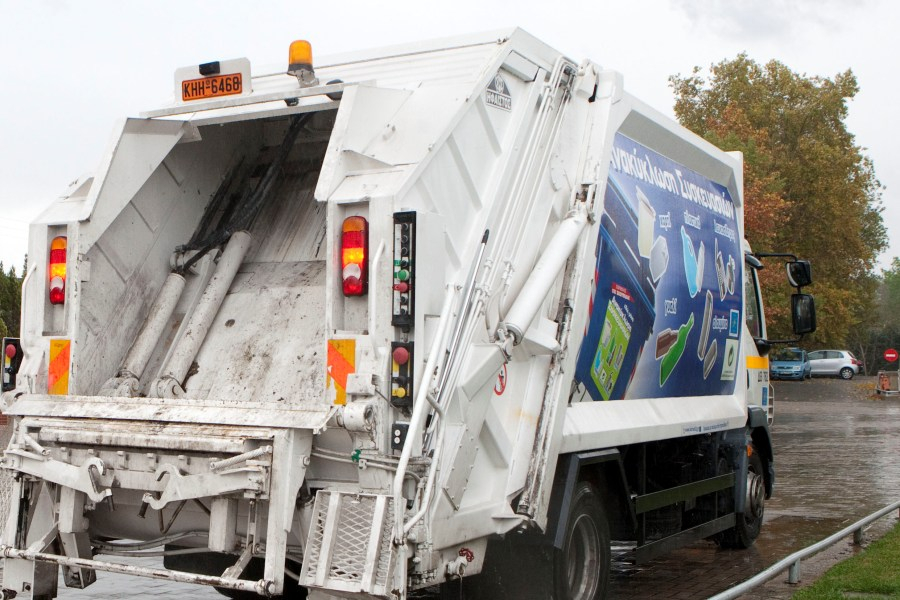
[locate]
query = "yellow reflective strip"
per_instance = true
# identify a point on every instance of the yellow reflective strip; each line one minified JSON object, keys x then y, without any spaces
{"x":58,"y":370}
{"x":757,"y":362}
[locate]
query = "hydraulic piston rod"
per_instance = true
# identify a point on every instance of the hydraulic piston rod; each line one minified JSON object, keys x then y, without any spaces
{"x":545,"y":272}
{"x":169,"y":384}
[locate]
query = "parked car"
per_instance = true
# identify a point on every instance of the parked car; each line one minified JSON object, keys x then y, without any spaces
{"x":790,"y":363}
{"x":835,"y":362}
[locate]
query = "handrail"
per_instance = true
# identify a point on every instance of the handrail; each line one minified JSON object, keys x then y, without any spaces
{"x":419,"y":411}
{"x":792,"y":562}
{"x":468,"y":306}
{"x":470,"y":303}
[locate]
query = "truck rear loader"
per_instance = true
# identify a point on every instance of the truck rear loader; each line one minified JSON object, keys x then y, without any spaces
{"x":454,"y":314}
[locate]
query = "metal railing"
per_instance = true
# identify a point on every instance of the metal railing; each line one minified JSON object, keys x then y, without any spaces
{"x":792,"y":562}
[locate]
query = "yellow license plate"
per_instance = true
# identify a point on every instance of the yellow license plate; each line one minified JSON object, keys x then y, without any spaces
{"x":212,"y":87}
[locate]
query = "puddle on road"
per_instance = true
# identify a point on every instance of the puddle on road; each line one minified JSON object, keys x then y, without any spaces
{"x":705,"y":568}
{"x":781,"y":536}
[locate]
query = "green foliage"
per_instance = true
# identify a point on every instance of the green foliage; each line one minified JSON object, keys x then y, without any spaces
{"x":880,"y":329}
{"x":10,"y":301}
{"x":808,"y":189}
{"x":873,"y":572}
{"x":890,"y":293}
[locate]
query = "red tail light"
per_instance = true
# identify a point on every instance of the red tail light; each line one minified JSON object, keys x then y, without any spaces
{"x":57,"y":270}
{"x":354,"y":259}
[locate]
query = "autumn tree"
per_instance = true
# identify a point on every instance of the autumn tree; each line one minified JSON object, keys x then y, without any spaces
{"x":808,"y":188}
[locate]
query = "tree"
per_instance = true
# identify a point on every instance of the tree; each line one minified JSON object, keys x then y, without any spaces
{"x":880,"y":330}
{"x":10,"y":301}
{"x":808,"y":188}
{"x":890,"y":294}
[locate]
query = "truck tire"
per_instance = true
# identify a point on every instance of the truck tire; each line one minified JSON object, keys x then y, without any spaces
{"x":516,"y":567}
{"x":748,"y":524}
{"x":581,"y":568}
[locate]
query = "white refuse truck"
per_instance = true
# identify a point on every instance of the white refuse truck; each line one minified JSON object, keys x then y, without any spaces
{"x":449,"y":314}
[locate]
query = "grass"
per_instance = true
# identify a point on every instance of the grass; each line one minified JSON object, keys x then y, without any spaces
{"x":875,"y":573}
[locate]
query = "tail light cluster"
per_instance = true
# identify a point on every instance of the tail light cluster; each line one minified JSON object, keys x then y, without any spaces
{"x":354,"y":256}
{"x":57,"y":270}
{"x":12,"y":359}
{"x":355,"y":282}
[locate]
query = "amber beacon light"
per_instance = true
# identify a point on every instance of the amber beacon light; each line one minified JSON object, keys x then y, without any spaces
{"x":300,"y":63}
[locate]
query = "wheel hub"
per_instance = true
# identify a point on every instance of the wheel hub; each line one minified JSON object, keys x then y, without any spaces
{"x":583,"y":559}
{"x":756,"y":494}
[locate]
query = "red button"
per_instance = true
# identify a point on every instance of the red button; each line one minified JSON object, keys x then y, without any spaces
{"x":10,"y":351}
{"x":401,"y":355}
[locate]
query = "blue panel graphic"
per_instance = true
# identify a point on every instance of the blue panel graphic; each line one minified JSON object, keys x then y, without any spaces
{"x":668,"y":279}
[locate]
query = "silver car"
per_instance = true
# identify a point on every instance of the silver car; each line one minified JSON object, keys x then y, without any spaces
{"x":841,"y":363}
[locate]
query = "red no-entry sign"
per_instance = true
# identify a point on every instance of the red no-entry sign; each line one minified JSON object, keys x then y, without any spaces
{"x":890,"y":355}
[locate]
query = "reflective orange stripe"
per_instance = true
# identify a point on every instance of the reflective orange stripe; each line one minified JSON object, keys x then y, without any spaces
{"x":58,"y":370}
{"x":757,"y":362}
{"x":341,"y":362}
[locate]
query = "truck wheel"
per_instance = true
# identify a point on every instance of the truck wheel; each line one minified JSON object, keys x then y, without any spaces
{"x":581,"y":568}
{"x":847,"y":373}
{"x":748,"y":525}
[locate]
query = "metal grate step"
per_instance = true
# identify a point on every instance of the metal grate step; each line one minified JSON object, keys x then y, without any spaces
{"x":349,"y":549}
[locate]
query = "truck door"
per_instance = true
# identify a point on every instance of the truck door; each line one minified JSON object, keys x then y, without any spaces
{"x":758,"y":390}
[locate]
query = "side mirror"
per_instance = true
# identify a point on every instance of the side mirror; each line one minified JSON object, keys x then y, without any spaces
{"x":799,"y":273}
{"x":803,"y":312}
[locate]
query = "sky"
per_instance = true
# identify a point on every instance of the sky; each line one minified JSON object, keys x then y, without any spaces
{"x":72,"y":69}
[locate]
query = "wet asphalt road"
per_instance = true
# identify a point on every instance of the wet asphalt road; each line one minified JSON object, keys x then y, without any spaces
{"x":837,"y":449}
{"x":838,"y":459}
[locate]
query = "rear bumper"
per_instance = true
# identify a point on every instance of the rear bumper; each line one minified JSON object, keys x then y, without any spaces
{"x":784,"y":375}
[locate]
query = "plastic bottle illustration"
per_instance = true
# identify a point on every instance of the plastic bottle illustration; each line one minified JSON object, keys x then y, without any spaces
{"x":671,"y":358}
{"x":693,"y":263}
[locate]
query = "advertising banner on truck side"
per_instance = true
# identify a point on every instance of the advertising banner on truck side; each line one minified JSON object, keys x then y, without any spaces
{"x":666,"y":307}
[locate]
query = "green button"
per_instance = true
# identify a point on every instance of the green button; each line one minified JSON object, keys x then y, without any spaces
{"x":403,"y":275}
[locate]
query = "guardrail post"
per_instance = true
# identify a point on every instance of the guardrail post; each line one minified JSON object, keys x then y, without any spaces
{"x":794,"y":573}
{"x":859,"y":536}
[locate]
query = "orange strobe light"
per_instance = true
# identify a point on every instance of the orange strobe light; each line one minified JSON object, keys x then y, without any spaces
{"x":300,"y":63}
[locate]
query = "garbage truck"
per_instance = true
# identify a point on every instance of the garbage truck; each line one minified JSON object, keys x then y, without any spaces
{"x":452,"y":315}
